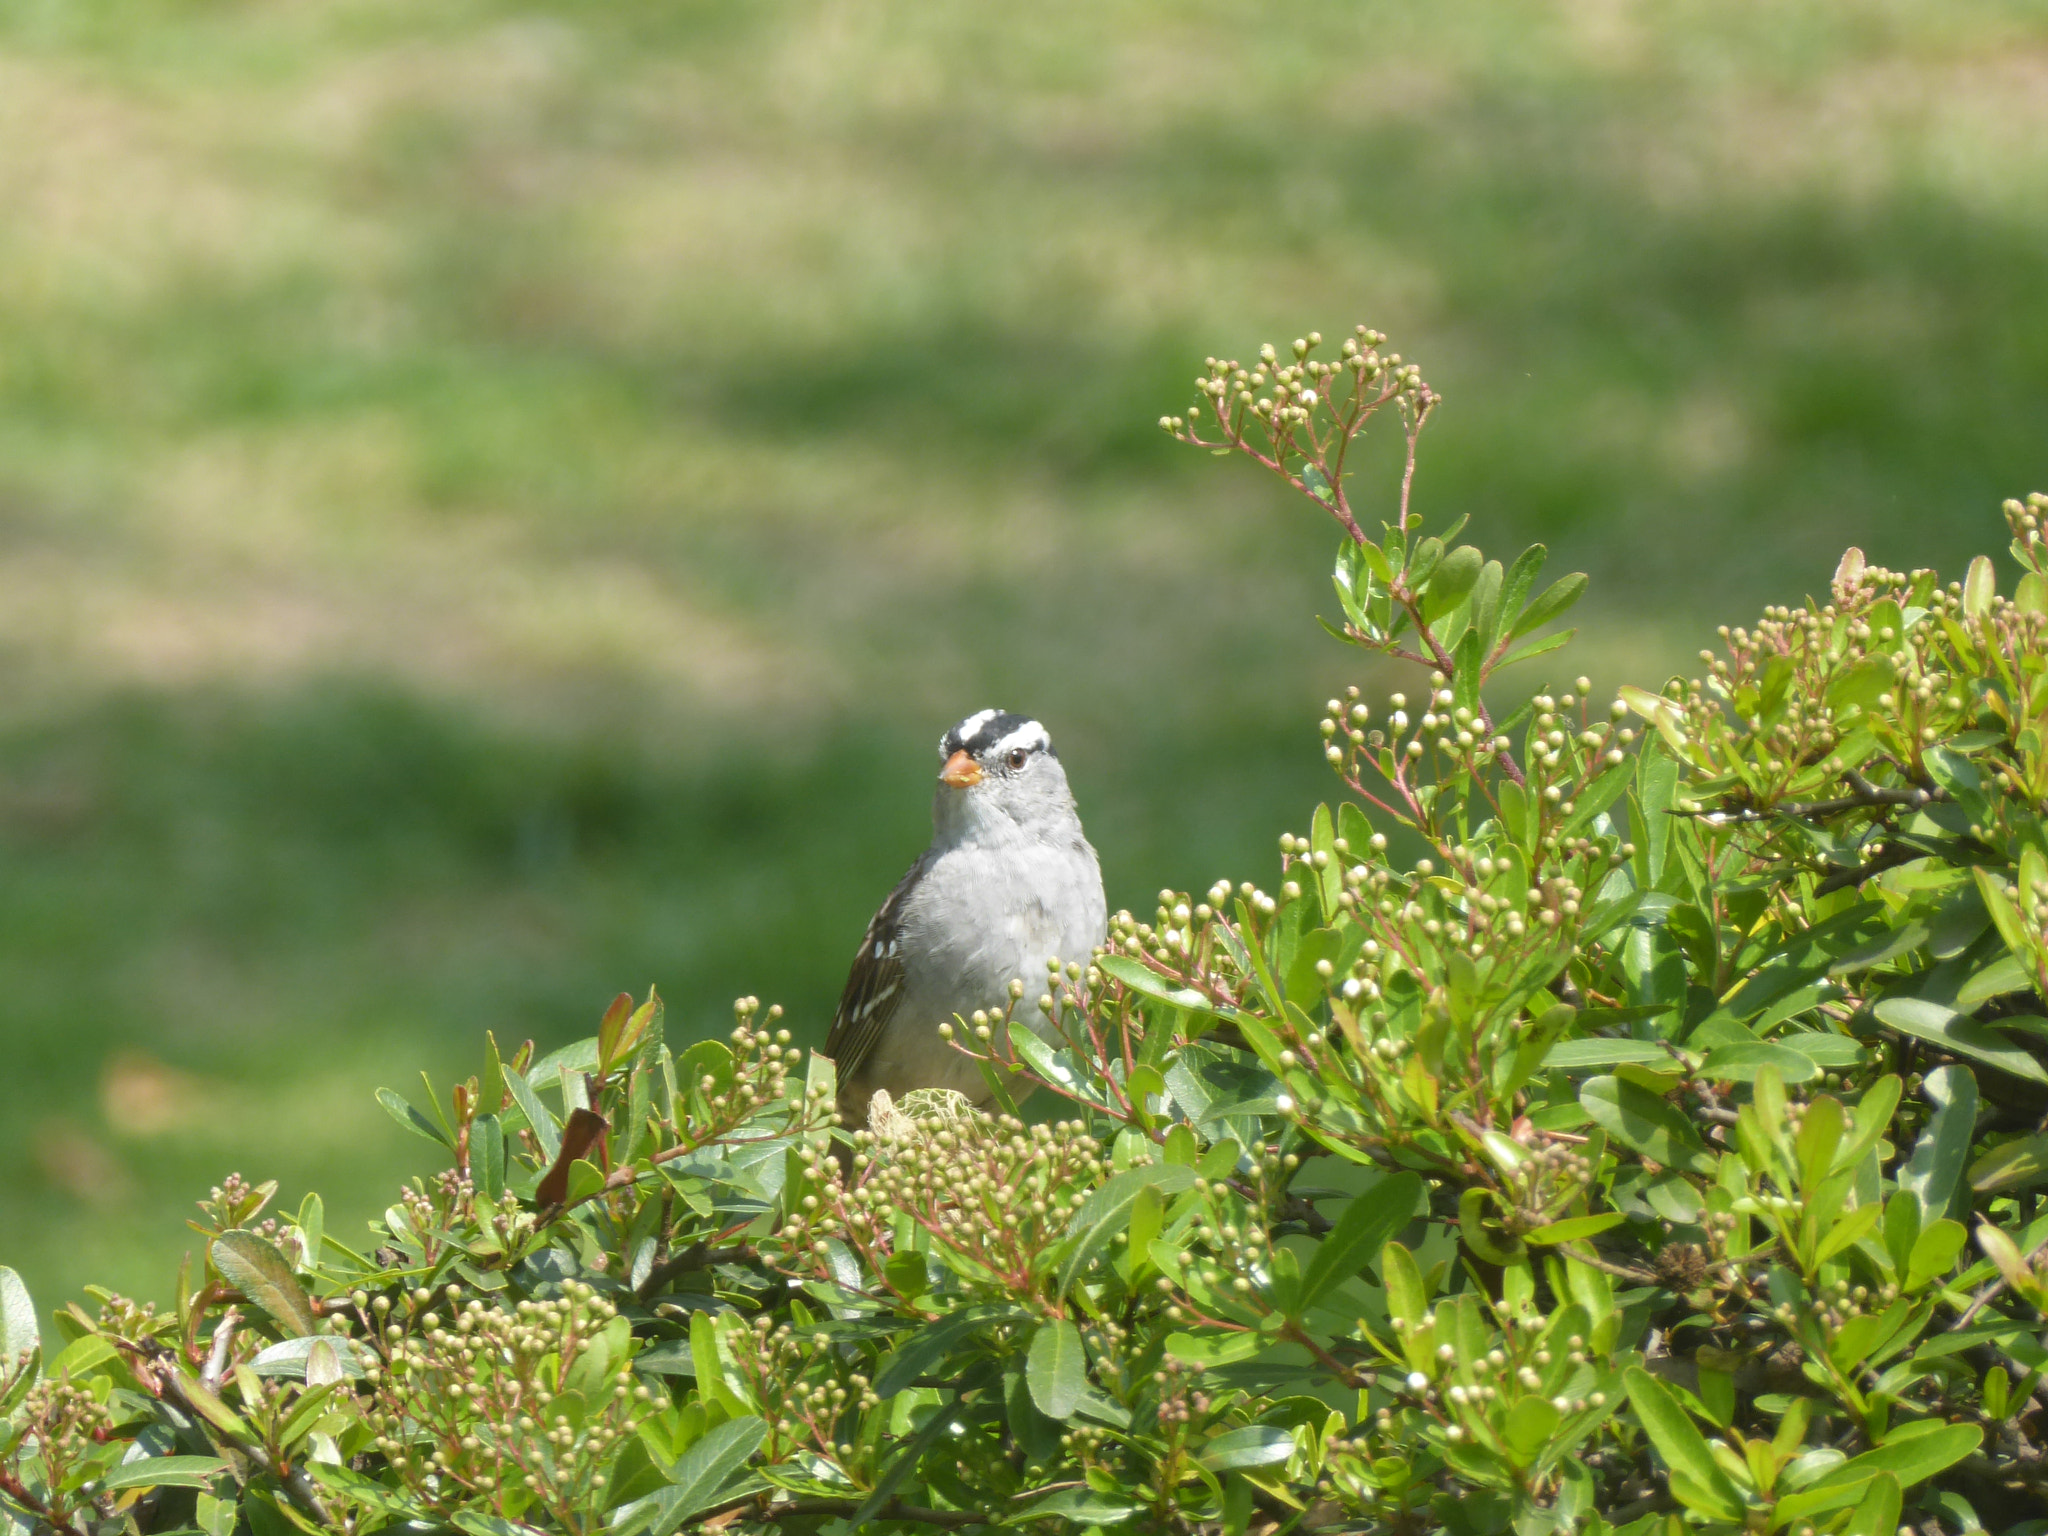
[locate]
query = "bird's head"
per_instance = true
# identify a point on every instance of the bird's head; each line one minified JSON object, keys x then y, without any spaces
{"x":995,"y":764}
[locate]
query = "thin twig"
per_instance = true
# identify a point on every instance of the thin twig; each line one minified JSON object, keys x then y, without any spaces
{"x":295,"y":1481}
{"x":223,"y":1342}
{"x":699,"y":1255}
{"x":16,"y":1490}
{"x":895,"y":1509}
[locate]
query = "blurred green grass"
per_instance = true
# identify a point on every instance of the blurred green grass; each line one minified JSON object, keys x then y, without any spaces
{"x":497,"y":501}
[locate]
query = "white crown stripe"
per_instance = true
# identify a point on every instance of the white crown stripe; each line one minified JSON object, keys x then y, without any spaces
{"x":966,"y":729}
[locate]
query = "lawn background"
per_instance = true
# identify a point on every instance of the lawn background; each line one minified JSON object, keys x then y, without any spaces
{"x":497,"y":502}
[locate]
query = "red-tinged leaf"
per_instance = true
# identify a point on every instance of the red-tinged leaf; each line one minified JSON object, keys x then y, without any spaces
{"x":611,"y":1027}
{"x":254,"y":1267}
{"x":582,"y":1132}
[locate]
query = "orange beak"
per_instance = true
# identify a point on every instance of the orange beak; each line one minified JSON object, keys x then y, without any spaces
{"x":961,"y":771}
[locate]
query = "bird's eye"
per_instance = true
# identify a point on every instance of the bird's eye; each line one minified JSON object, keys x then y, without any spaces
{"x":1019,"y":757}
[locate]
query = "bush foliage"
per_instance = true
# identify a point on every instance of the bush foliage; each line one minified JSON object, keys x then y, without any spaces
{"x":1615,"y":1118}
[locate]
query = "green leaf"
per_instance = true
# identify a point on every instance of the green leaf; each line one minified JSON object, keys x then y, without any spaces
{"x":1910,"y":1457}
{"x":1255,"y":1445}
{"x":1055,"y":1369}
{"x":1108,"y":1211}
{"x":323,"y":1368}
{"x":1860,"y":686}
{"x":490,"y":1093}
{"x":1980,"y":585}
{"x":1576,"y":1055}
{"x":1740,"y":1063}
{"x":487,"y":1155}
{"x":1485,"y":616}
{"x":2005,"y":912}
{"x":164,"y":1472}
{"x":1934,"y":1252}
{"x":1573,"y":1228}
{"x":1407,"y":1298}
{"x":706,"y":1467}
{"x":1553,"y":602}
{"x":1530,"y":1425}
{"x":1935,"y":1168}
{"x":917,"y":1354}
{"x":293,"y":1357}
{"x":256,"y":1269}
{"x":2003,"y":1252}
{"x":310,"y":1406}
{"x":1422,"y":563}
{"x":1889,"y":944}
{"x":1820,"y":1132}
{"x":1543,"y":645}
{"x":412,"y":1119}
{"x":2003,"y":975}
{"x":1659,"y":711}
{"x":18,"y":1330}
{"x":1454,"y":577}
{"x":1077,"y":1509}
{"x":1682,"y":1446}
{"x":698,"y":1480}
{"x":1041,"y":1060}
{"x":623,"y":1028}
{"x":474,"y":1522}
{"x":1140,"y":978}
{"x":2016,"y":1165}
{"x":1965,"y":1037}
{"x":364,"y":1490}
{"x":547,"y":1130}
{"x":1644,"y":1122}
{"x":312,"y":1224}
{"x":1872,"y":1120}
{"x":1520,"y":578}
{"x":1352,"y":577}
{"x":211,"y":1408}
{"x":1359,"y":1234}
{"x":1877,"y":1512}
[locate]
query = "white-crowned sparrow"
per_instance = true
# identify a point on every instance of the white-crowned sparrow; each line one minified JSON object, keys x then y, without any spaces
{"x":1008,"y":883}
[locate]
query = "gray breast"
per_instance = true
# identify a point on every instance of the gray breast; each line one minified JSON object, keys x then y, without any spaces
{"x":967,"y":933}
{"x":973,"y":930}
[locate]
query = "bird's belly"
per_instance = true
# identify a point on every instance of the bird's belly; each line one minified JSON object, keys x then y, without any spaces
{"x":974,"y":967}
{"x":967,"y":967}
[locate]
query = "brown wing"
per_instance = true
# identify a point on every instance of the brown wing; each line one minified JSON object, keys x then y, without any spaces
{"x":874,"y":987}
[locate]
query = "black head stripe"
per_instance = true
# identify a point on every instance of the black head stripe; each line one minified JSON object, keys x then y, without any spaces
{"x":981,"y":733}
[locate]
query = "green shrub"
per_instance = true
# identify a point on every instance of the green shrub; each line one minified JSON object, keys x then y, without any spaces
{"x":1625,"y":1117}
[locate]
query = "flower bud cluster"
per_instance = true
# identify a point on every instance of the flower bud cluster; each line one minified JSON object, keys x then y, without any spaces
{"x":1469,"y":1395}
{"x":994,"y":1191}
{"x":12,"y":1367}
{"x":763,"y":1059}
{"x":1291,"y":391}
{"x":1821,"y":1313}
{"x":807,"y":1381}
{"x":1546,"y":1183}
{"x":1789,"y":680}
{"x":447,"y":1202}
{"x":1277,"y":406}
{"x":475,"y":1400}
{"x":1182,"y":1402}
{"x":2025,"y":519}
{"x":124,"y":1319}
{"x":66,"y":1422}
{"x":235,"y":1202}
{"x":1229,"y":1250}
